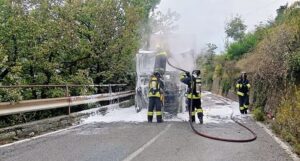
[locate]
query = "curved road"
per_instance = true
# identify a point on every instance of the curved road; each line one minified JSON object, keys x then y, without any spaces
{"x":169,"y":141}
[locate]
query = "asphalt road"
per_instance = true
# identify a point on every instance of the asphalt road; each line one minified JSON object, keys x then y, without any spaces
{"x":173,"y":141}
{"x":169,"y":141}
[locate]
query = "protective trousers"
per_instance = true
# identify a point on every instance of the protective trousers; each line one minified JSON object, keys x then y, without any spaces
{"x":196,"y":108}
{"x":154,"y":102}
{"x":244,"y":103}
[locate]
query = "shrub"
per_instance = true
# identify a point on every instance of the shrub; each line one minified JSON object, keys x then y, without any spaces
{"x":287,"y":121}
{"x":239,"y":48}
{"x":258,"y":114}
{"x":297,"y":148}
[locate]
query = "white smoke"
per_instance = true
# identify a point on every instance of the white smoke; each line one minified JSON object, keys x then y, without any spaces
{"x":181,"y":49}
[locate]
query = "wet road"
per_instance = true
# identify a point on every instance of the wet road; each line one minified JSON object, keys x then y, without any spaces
{"x":169,"y":141}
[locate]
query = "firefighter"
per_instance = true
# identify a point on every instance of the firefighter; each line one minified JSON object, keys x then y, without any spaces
{"x":160,"y":60}
{"x":193,"y":94}
{"x":243,"y":88}
{"x":155,"y":92}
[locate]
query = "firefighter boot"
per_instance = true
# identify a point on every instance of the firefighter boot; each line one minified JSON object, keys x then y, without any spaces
{"x":150,"y":119}
{"x":200,"y":115}
{"x":245,"y":109}
{"x":201,"y":119}
{"x":193,"y":118}
{"x":242,"y":110}
{"x":159,"y":119}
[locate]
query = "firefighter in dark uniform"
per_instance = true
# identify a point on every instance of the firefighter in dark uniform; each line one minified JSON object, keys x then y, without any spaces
{"x":193,"y":94}
{"x":155,"y":92}
{"x":160,"y":60}
{"x":243,"y":88}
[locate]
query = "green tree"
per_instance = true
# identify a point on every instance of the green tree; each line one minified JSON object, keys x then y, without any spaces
{"x":280,"y":13}
{"x":69,"y":42}
{"x":159,"y":23}
{"x":236,"y":49}
{"x":235,"y":28}
{"x":205,"y":62}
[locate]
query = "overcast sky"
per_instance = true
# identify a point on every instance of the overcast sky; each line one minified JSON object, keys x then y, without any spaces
{"x":206,"y":18}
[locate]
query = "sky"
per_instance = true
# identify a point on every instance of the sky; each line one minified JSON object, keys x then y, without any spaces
{"x":206,"y":19}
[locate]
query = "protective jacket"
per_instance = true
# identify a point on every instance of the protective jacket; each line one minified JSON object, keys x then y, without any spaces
{"x":155,"y":92}
{"x":243,"y":87}
{"x":192,"y":83}
{"x":193,"y":103}
{"x":155,"y":87}
{"x":160,"y":62}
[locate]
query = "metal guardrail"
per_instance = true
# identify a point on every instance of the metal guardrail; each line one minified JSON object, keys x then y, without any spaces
{"x":7,"y":108}
{"x":67,"y":85}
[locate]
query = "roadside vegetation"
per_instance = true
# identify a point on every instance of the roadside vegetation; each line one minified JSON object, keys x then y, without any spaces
{"x":271,"y":56}
{"x":68,"y":42}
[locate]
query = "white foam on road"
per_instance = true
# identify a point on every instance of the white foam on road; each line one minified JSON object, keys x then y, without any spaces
{"x":116,"y":114}
{"x":217,"y":110}
{"x":215,"y":113}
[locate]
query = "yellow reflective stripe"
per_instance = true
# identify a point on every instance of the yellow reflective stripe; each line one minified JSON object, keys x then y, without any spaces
{"x":157,"y":94}
{"x":198,"y":81}
{"x":181,"y":77}
{"x":246,"y":107}
{"x":240,"y":94}
{"x":200,"y":110}
{"x":162,"y":53}
{"x":193,"y":113}
{"x":238,"y":85}
{"x":248,"y":85}
{"x":241,"y":108}
{"x":150,"y":113}
{"x":151,"y":95}
{"x":194,"y":96}
{"x":158,"y":113}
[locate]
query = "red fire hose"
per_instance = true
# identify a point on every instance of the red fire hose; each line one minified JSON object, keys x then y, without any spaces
{"x":214,"y":137}
{"x":225,"y":139}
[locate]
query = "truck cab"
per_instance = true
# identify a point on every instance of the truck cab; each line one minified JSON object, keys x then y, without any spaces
{"x":173,"y":92}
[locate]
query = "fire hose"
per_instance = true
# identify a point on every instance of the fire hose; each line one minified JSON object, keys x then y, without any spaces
{"x":214,"y":137}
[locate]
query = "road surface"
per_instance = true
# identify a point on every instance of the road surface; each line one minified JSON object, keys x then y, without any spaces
{"x":140,"y":141}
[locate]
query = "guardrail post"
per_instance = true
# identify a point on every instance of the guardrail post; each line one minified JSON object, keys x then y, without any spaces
{"x":110,"y":94}
{"x":68,"y":95}
{"x":118,"y":97}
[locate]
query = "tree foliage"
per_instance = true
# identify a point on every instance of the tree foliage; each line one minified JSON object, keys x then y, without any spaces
{"x":164,"y":23}
{"x":69,"y":42}
{"x":235,"y":28}
{"x":205,"y":62}
{"x":246,"y":44}
{"x":159,"y":23}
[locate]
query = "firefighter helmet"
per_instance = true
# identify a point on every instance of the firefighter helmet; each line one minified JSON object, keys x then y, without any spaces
{"x":156,"y":74}
{"x":244,"y":75}
{"x":196,"y":73}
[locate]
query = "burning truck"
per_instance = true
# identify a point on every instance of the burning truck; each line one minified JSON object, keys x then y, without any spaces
{"x":146,"y":63}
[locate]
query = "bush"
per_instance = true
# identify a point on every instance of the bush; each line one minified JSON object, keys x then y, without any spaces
{"x":297,"y":148}
{"x":258,"y":114}
{"x":287,"y":121}
{"x":225,"y":84}
{"x":239,"y":48}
